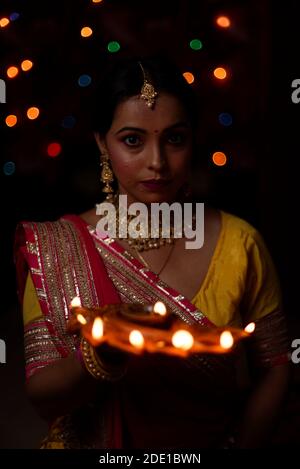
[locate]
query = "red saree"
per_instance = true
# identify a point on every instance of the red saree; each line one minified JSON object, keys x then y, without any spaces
{"x":162,"y":401}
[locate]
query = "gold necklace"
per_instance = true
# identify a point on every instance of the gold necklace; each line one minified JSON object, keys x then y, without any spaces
{"x":164,"y":264}
{"x":143,"y":242}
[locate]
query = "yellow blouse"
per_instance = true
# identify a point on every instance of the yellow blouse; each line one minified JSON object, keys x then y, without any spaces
{"x":241,"y":284}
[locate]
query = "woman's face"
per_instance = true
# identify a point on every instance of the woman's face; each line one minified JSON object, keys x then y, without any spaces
{"x":147,"y":145}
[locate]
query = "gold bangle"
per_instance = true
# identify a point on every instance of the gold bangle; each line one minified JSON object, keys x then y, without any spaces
{"x":95,"y":366}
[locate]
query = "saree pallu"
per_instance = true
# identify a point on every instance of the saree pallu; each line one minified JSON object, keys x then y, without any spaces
{"x":162,"y":401}
{"x":63,"y":263}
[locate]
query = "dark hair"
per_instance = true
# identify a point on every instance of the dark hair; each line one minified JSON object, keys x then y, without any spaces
{"x":124,"y":79}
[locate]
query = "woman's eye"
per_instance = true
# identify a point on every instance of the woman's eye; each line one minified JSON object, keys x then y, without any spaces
{"x":176,"y":139}
{"x":132,"y":140}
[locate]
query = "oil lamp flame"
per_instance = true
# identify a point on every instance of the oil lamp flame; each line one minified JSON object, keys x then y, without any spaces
{"x":160,"y":308}
{"x":226,"y":340}
{"x":81,"y":319}
{"x":97,"y":329}
{"x":183,"y":340}
{"x":150,"y":328}
{"x":136,"y":338}
{"x":75,"y":302}
{"x":250,"y":327}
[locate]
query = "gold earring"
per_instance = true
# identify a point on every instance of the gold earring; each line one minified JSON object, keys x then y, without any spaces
{"x":107,"y":176}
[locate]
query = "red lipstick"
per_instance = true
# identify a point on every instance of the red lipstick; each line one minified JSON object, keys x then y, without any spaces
{"x":155,"y":185}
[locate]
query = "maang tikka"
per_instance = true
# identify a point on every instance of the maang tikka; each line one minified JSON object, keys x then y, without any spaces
{"x":107,"y":176}
{"x":148,"y":92}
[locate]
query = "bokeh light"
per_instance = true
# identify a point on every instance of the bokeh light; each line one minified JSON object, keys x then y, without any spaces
{"x":12,"y":72}
{"x":225,"y":119}
{"x":54,"y":149}
{"x":14,"y":16}
{"x":26,"y":65}
{"x":68,"y":122}
{"x":220,"y":73}
{"x":196,"y":44}
{"x":4,"y":22}
{"x":223,"y":21}
{"x":219,"y":158}
{"x":9,"y":168}
{"x":189,"y":77}
{"x":33,"y":113}
{"x":84,"y":80}
{"x":113,"y":46}
{"x":11,"y":120}
{"x":86,"y":31}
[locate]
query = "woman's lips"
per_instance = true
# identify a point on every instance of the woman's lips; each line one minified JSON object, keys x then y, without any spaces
{"x":155,"y":185}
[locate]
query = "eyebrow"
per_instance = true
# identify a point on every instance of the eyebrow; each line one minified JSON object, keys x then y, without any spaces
{"x":143,"y":131}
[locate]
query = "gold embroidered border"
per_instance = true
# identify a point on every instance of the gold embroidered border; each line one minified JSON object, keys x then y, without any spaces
{"x":63,"y":259}
{"x":39,"y":346}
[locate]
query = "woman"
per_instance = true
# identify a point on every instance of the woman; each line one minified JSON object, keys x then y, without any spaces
{"x":145,"y":123}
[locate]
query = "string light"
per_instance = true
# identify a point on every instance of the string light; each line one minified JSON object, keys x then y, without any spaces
{"x":86,"y":31}
{"x":189,"y":77}
{"x":84,"y":80}
{"x":113,"y":46}
{"x":9,"y":168}
{"x":33,"y":113}
{"x":196,"y":44}
{"x":12,"y":72}
{"x":4,"y":22}
{"x":53,"y":149}
{"x":11,"y":120}
{"x":223,"y":21}
{"x":219,"y":158}
{"x":220,"y":73}
{"x":26,"y":65}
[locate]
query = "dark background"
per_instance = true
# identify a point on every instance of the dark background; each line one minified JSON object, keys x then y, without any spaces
{"x":258,"y":183}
